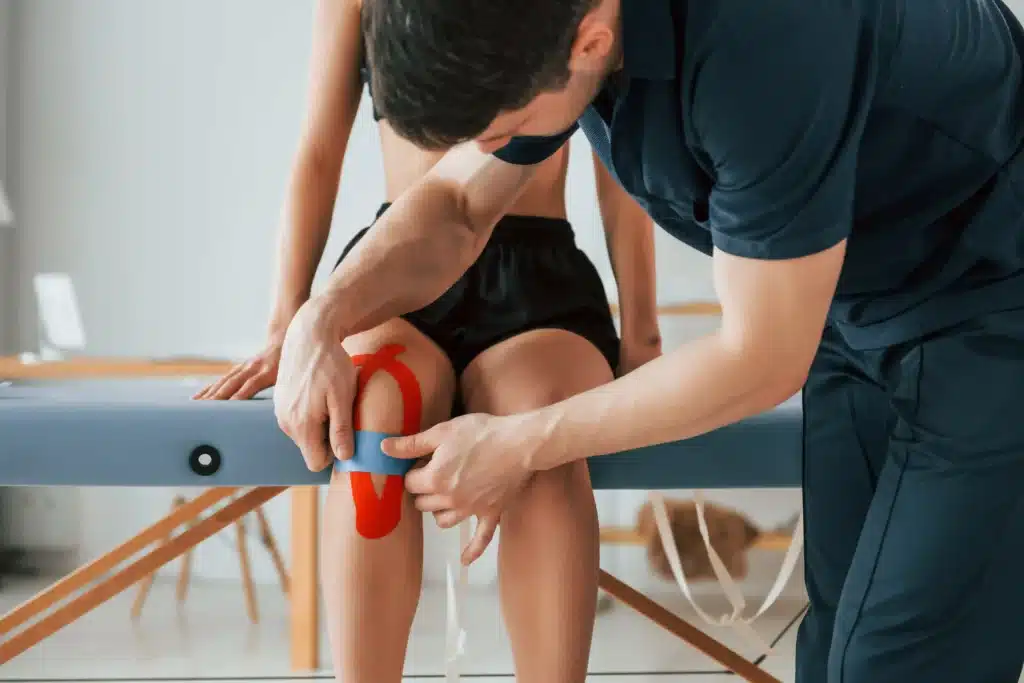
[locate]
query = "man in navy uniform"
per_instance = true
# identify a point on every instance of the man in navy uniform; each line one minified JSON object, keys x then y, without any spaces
{"x":854,"y":168}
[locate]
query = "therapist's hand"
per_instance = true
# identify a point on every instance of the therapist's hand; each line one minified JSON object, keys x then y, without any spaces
{"x":479,"y":462}
{"x":315,"y":390}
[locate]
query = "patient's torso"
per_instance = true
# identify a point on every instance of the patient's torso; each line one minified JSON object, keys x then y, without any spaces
{"x":405,"y":164}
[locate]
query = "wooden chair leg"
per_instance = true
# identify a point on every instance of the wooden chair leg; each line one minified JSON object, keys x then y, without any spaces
{"x":185,"y":575}
{"x":243,"y":559}
{"x":688,"y":633}
{"x":147,"y":583}
{"x":156,"y":558}
{"x":88,"y":573}
{"x":267,"y":538}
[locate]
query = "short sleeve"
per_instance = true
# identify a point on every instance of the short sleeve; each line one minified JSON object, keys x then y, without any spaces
{"x":527,"y":151}
{"x":779,"y":108}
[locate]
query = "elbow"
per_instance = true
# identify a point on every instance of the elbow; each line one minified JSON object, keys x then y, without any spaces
{"x":772,"y":378}
{"x":775,"y":366}
{"x":786,"y":388}
{"x":781,"y":382}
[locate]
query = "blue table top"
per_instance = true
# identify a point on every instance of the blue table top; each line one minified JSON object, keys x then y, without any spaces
{"x":143,"y":433}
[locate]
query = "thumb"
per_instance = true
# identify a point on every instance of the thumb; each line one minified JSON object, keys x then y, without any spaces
{"x":340,"y":429}
{"x":413,"y":446}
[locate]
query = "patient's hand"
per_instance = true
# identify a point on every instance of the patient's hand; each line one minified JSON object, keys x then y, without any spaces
{"x":315,"y":391}
{"x":247,"y":379}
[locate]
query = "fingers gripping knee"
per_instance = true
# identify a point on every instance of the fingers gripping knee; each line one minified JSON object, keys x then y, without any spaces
{"x":376,"y":516}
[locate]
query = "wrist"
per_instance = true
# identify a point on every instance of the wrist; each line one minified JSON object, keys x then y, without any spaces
{"x":550,"y":448}
{"x":645,"y":334}
{"x":328,"y":309}
{"x":283,"y":312}
{"x":279,"y":323}
{"x":639,"y":322}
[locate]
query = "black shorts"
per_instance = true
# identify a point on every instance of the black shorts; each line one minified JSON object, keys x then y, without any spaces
{"x":530,"y":276}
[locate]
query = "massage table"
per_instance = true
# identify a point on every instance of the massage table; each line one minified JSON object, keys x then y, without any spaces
{"x":148,"y":433}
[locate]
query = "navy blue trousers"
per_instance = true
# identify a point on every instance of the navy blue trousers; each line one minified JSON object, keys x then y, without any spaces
{"x":914,"y":509}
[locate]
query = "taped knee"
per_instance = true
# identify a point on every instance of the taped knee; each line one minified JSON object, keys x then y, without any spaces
{"x":377,"y":516}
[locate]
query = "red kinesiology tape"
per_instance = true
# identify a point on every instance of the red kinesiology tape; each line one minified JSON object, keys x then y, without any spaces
{"x":377,"y":517}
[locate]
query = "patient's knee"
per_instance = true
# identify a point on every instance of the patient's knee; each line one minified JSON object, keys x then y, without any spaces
{"x":390,"y":392}
{"x":405,"y":384}
{"x":389,"y":399}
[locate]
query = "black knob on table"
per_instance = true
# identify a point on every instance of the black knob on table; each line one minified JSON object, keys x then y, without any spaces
{"x":204,"y":460}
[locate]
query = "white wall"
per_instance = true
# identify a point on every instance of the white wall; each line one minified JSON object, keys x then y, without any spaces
{"x":155,"y":139}
{"x":7,"y":277}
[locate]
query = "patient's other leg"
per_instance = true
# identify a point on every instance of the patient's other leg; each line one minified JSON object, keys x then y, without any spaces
{"x":371,"y":585}
{"x":548,"y":551}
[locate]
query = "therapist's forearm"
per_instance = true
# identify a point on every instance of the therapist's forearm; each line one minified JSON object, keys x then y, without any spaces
{"x":416,"y":251}
{"x":697,"y":388}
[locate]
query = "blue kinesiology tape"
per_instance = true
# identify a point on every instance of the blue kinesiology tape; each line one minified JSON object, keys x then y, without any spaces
{"x":370,"y":458}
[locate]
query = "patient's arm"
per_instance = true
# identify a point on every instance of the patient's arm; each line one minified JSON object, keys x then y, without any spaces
{"x":371,"y":584}
{"x":333,"y":100}
{"x":629,"y":235}
{"x":334,"y":91}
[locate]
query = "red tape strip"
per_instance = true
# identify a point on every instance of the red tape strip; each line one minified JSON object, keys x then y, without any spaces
{"x":377,"y":517}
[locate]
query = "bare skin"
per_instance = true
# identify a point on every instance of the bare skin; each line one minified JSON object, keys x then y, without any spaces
{"x":550,"y":638}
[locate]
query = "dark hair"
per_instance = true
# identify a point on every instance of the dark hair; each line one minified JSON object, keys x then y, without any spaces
{"x":442,"y":70}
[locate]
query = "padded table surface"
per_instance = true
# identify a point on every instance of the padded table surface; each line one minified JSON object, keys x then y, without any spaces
{"x":146,"y":432}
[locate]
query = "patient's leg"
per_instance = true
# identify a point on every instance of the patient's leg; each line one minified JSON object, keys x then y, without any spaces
{"x":371,"y":575}
{"x":548,"y":554}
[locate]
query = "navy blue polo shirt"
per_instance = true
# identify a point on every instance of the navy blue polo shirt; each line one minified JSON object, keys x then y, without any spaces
{"x":774,"y":130}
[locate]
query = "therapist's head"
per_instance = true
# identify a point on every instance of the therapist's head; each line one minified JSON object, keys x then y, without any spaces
{"x":448,"y":71}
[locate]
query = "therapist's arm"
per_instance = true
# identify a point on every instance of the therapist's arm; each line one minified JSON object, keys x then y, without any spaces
{"x":773,"y":314}
{"x":780,"y":212}
{"x":424,"y":242}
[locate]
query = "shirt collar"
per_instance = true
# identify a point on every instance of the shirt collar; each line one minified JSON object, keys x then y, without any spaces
{"x":649,"y":39}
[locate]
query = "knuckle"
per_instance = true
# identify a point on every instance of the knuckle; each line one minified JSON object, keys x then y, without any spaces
{"x":432,"y":480}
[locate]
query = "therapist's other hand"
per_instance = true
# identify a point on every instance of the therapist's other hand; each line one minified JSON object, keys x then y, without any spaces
{"x":247,"y":379}
{"x":478,"y":463}
{"x":315,"y":389}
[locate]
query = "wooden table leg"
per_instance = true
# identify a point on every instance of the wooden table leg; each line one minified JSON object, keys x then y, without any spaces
{"x":88,"y":573}
{"x":688,"y":633}
{"x":304,"y":596}
{"x":119,"y":582}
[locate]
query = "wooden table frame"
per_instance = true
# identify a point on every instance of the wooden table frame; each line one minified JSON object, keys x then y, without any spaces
{"x":304,"y":616}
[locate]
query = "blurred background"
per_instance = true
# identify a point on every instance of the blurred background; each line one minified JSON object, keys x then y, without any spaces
{"x":144,"y":149}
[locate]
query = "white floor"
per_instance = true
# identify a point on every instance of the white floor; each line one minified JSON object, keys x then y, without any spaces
{"x":210,"y":639}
